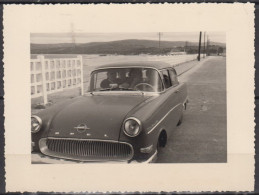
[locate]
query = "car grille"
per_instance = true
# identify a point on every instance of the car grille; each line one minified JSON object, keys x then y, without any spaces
{"x":86,"y":150}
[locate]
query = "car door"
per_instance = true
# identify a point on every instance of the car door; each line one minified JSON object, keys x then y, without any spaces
{"x":181,"y":88}
{"x":172,"y":106}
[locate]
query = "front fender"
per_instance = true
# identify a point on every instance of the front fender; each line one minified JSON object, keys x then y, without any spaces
{"x":146,"y":113}
{"x":46,"y":116}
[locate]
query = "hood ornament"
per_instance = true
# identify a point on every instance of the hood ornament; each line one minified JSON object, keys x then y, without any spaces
{"x":82,"y":128}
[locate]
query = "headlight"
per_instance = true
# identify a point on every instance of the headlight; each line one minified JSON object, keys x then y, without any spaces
{"x":132,"y":127}
{"x":36,"y":123}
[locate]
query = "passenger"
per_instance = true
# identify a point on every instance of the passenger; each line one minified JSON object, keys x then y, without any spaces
{"x":111,"y":79}
{"x":123,"y":80}
{"x":135,"y":77}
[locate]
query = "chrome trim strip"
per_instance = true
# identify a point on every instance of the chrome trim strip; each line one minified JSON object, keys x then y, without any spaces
{"x":44,"y":149}
{"x":147,"y":149}
{"x":132,"y":93}
{"x":185,"y":101}
{"x":120,"y":92}
{"x":126,"y":67}
{"x":102,"y":140}
{"x":151,"y":158}
{"x":163,"y":118}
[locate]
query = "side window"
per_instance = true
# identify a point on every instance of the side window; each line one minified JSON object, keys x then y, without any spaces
{"x":100,"y":76}
{"x":166,"y":78}
{"x":152,"y":77}
{"x":173,"y":77}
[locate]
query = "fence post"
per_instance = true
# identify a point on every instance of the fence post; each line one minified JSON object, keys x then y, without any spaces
{"x":81,"y":76}
{"x":43,"y":74}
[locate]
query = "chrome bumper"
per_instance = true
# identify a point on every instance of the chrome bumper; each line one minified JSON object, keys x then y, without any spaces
{"x":37,"y":158}
{"x":152,"y":159}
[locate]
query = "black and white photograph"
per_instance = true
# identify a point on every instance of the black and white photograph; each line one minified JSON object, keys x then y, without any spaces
{"x":128,"y":97}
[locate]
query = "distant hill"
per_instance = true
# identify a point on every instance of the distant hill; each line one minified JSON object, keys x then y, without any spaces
{"x":218,"y":44}
{"x":126,"y":47}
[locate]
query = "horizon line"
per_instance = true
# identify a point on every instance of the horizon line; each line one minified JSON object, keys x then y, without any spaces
{"x":124,"y":40}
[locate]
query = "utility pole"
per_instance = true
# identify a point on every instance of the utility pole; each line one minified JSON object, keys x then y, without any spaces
{"x":159,"y":39}
{"x":199,"y":52}
{"x":204,"y":47}
{"x":208,"y":43}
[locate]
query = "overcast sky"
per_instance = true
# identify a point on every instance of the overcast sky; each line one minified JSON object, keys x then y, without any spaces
{"x":105,"y":37}
{"x":98,"y":23}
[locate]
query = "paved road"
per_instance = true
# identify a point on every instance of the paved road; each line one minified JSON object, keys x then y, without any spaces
{"x":202,"y":137}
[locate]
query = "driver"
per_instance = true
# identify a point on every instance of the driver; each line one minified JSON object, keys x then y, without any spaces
{"x":111,"y":79}
{"x":148,"y":82}
{"x":150,"y":74}
{"x":136,"y":77}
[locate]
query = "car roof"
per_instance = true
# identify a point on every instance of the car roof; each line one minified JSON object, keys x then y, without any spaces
{"x":150,"y":64}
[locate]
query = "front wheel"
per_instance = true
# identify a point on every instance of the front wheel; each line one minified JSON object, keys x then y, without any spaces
{"x":161,"y":142}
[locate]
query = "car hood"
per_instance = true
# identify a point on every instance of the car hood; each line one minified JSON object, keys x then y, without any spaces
{"x":102,"y":114}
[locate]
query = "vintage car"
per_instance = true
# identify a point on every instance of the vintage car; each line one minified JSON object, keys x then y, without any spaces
{"x":129,"y":111}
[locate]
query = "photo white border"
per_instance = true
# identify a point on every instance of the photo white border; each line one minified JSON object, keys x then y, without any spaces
{"x":237,"y":20}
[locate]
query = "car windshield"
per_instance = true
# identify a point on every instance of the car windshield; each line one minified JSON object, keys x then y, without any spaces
{"x":126,"y":79}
